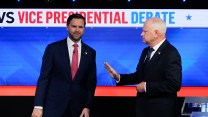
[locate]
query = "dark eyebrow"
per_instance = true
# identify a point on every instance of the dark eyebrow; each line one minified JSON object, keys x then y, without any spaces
{"x":77,"y":26}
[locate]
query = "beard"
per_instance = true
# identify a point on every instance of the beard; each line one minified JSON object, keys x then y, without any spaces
{"x":75,"y":39}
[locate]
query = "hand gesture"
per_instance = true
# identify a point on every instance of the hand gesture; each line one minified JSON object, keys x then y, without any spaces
{"x":111,"y":71}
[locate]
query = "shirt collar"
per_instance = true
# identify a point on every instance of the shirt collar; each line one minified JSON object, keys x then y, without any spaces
{"x":70,"y":42}
{"x":158,"y":45}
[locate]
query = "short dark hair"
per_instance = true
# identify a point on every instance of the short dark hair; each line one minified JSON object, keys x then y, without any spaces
{"x":76,"y":16}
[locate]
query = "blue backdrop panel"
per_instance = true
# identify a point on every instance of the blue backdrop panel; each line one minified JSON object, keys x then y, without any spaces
{"x":21,"y":51}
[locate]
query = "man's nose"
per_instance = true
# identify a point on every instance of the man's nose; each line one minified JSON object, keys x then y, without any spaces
{"x":77,"y":29}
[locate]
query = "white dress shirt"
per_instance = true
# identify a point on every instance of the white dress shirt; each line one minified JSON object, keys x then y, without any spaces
{"x":71,"y":49}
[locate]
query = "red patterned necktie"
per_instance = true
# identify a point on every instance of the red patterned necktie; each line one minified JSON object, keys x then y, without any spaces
{"x":74,"y":65}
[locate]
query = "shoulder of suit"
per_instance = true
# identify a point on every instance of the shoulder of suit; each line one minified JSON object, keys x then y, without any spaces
{"x":63,"y":41}
{"x":169,"y":48}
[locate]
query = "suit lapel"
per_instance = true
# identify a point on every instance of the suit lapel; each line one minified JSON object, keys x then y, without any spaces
{"x":157,"y":54}
{"x":65,"y":57}
{"x":83,"y":59}
{"x":143,"y":57}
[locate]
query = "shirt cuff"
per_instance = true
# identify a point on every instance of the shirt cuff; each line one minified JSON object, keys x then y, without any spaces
{"x":145,"y":90}
{"x":118,"y":79}
{"x":39,"y":107}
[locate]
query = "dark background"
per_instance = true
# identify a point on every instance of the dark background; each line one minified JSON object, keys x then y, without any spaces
{"x":21,"y":106}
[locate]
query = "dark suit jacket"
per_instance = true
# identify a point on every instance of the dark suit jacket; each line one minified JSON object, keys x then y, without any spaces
{"x":55,"y":88}
{"x":163,"y":74}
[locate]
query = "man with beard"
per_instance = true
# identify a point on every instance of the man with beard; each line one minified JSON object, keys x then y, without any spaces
{"x":67,"y":80}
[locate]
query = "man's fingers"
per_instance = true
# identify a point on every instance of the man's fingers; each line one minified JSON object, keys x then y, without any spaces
{"x":110,"y":70}
{"x":108,"y":67}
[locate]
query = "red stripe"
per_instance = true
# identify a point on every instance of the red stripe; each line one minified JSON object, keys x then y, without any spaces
{"x":102,"y":91}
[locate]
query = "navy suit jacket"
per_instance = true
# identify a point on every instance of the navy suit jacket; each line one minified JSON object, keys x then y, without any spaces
{"x":163,"y":74}
{"x":55,"y":87}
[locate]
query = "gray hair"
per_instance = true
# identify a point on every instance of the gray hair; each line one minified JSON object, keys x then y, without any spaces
{"x":158,"y":24}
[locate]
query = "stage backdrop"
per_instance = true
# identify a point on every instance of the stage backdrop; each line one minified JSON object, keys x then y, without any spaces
{"x":115,"y":34}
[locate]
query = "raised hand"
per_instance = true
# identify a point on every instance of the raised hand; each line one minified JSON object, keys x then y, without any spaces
{"x":111,"y":71}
